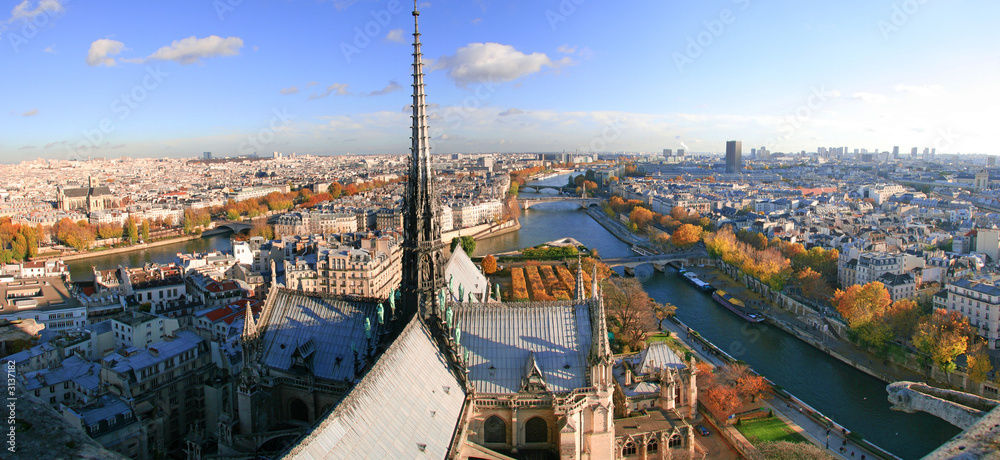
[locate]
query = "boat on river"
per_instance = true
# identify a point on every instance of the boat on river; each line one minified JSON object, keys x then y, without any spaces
{"x":692,"y":278}
{"x":737,"y":306}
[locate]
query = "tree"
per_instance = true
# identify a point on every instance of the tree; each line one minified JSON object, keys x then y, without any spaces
{"x":144,"y":230}
{"x":335,"y":190}
{"x":813,"y":285}
{"x":977,"y":362}
{"x":131,"y":232}
{"x":943,"y":336}
{"x":514,"y":187}
{"x":686,"y":235}
{"x":903,"y":317}
{"x":663,"y":312}
{"x":862,"y":304}
{"x":640,"y":217}
{"x":262,"y":229}
{"x":617,"y":203}
{"x":489,"y":264}
{"x":724,"y":400}
{"x":468,"y":244}
{"x":630,"y":310}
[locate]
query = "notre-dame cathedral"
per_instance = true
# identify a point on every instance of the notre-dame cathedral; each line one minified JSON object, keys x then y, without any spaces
{"x":431,"y":372}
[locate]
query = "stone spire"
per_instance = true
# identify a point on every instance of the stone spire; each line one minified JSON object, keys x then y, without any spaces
{"x":423,"y":257}
{"x":580,"y":295}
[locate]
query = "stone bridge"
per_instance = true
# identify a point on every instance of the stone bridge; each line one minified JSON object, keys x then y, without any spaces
{"x":658,"y":261}
{"x":584,"y":203}
{"x":538,"y":188}
{"x":235,"y":227}
{"x":979,"y":417}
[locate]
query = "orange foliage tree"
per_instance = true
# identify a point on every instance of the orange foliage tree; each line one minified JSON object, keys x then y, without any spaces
{"x":943,"y":336}
{"x":686,"y":235}
{"x":489,"y":264}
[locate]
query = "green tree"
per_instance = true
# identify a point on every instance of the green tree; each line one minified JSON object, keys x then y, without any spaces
{"x":514,"y":188}
{"x":468,"y":244}
{"x":145,"y":230}
{"x":131,"y":231}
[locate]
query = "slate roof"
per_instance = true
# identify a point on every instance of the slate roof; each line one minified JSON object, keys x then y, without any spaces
{"x":500,"y":337}
{"x":73,"y":368}
{"x":382,"y":418}
{"x":332,"y":325}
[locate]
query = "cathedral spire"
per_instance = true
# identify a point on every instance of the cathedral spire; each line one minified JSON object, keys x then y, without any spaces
{"x":423,"y":259}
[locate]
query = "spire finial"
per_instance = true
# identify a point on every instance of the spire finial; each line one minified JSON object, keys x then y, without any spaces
{"x":580,"y":295}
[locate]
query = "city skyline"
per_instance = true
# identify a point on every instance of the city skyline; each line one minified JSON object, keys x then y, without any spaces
{"x":172,"y":80}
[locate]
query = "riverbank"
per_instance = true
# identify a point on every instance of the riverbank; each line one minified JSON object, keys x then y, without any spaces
{"x":125,"y":250}
{"x":617,"y":229}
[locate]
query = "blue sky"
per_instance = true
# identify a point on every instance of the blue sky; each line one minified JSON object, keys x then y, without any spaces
{"x":152,"y":79}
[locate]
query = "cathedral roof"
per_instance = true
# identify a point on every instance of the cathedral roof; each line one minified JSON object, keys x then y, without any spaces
{"x":500,"y":338}
{"x":333,"y":325}
{"x":461,"y":271}
{"x":407,"y":406}
{"x":655,"y":357}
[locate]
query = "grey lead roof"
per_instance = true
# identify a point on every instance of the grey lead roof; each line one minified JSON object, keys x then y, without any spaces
{"x":500,"y":338}
{"x":655,"y":357}
{"x":331,"y":325}
{"x":407,"y":406}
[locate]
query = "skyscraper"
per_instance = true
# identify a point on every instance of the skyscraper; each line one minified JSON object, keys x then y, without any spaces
{"x":423,"y":256}
{"x":734,"y":157}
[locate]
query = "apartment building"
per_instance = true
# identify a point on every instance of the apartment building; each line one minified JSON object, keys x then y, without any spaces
{"x":166,"y":384}
{"x":311,"y":223}
{"x":867,"y":267}
{"x":977,"y":300}
{"x":368,"y":267}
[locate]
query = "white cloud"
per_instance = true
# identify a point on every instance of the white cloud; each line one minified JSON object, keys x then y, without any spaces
{"x":339,"y":88}
{"x":494,"y":62}
{"x":50,"y":49}
{"x":101,"y":51}
{"x":922,"y":90}
{"x":24,"y":9}
{"x":192,"y":49}
{"x":290,"y":90}
{"x":390,"y":88}
{"x":511,"y":111}
{"x":566,"y":49}
{"x":395,"y":36}
{"x":30,"y":113}
{"x":873,"y":98}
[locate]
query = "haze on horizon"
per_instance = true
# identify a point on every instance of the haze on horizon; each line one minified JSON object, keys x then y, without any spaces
{"x":333,"y":77}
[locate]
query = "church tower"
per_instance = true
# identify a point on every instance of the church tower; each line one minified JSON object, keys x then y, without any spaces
{"x":423,"y":250}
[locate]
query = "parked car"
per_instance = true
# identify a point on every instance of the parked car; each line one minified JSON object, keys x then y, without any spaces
{"x":704,"y":431}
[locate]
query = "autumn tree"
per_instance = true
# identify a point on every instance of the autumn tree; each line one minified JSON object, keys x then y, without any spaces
{"x":489,"y":264}
{"x":903,"y":316}
{"x":686,"y":235}
{"x":617,"y":203}
{"x":943,"y":337}
{"x":131,"y":231}
{"x":813,"y":285}
{"x":144,"y":230}
{"x":977,"y":361}
{"x":724,"y":400}
{"x":641,"y":217}
{"x":862,"y":304}
{"x":630,"y":310}
{"x":663,"y":312}
{"x":262,"y":229}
